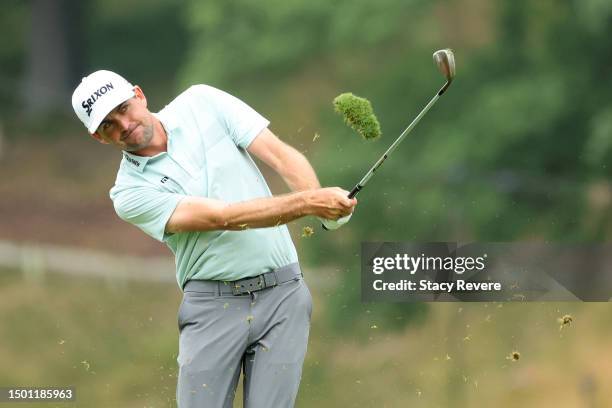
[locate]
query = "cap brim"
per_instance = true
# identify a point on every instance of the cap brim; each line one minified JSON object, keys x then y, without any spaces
{"x":107,"y":105}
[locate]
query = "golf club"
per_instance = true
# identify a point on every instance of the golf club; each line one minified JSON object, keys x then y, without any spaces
{"x":445,"y":60}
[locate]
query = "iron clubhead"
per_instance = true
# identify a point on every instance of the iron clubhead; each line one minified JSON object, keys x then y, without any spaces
{"x":445,"y":60}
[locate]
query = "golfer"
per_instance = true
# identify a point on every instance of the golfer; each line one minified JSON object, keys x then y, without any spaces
{"x":187,"y":179}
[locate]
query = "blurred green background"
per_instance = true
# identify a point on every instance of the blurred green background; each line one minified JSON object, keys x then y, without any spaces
{"x":518,"y":149}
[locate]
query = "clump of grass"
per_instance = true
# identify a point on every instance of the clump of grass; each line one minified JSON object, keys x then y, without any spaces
{"x":307,"y":231}
{"x":358,"y":114}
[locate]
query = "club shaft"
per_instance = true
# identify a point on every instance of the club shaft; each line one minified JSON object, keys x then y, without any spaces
{"x":397,"y":141}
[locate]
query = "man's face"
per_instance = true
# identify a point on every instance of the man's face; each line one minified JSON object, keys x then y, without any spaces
{"x":129,"y":126}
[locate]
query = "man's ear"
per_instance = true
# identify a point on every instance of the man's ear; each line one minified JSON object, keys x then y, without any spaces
{"x":99,"y":138}
{"x":140,"y":95}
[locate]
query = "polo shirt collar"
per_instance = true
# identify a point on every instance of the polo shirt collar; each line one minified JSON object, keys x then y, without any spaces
{"x":170,"y":124}
{"x":138,"y":163}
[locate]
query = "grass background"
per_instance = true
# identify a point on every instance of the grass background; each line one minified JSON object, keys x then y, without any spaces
{"x":116,"y":343}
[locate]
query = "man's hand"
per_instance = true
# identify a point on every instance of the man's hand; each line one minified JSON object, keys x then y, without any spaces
{"x":330,"y":203}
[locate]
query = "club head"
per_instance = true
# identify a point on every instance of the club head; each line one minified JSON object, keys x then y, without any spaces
{"x":445,"y":60}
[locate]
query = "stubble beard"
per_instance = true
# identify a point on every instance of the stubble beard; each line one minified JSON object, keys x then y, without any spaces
{"x":147,"y":136}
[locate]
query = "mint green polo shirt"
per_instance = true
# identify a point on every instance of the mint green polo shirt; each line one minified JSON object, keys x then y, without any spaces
{"x":208,"y":133}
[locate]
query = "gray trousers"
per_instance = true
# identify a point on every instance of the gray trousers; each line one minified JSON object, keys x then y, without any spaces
{"x":264,"y":333}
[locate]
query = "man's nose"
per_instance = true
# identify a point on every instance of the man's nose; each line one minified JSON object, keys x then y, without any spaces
{"x":123,"y":123}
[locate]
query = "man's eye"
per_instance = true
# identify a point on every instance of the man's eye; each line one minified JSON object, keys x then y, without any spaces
{"x":106,"y":125}
{"x":123,"y":108}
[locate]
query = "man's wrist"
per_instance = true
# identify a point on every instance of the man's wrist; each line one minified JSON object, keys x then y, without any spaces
{"x":305,"y":208}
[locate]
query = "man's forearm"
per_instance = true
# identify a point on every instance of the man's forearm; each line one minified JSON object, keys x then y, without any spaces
{"x":264,"y":212}
{"x":289,"y":163}
{"x":205,"y":214}
{"x":297,"y":172}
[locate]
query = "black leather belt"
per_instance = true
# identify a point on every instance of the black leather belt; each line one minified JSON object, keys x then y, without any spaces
{"x":246,"y":285}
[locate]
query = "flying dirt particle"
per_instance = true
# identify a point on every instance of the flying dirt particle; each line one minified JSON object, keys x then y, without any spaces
{"x":448,"y":357}
{"x":62,"y":341}
{"x":467,"y":338}
{"x":564,"y":321}
{"x":307,"y":232}
{"x":316,"y":136}
{"x":225,"y":305}
{"x":358,"y":381}
{"x":514,"y":356}
{"x":373,"y":327}
{"x":204,"y":385}
{"x":85,"y":364}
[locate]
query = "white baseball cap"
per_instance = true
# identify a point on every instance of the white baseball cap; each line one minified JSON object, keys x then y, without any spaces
{"x":97,"y":95}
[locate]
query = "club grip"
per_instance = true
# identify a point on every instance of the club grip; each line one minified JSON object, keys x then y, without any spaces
{"x":354,"y":191}
{"x":352,"y":194}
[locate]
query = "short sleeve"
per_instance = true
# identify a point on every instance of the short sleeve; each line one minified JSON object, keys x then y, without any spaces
{"x":243,"y":123}
{"x":146,"y":208}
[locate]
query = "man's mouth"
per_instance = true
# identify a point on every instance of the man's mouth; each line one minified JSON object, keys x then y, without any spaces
{"x":129,"y":133}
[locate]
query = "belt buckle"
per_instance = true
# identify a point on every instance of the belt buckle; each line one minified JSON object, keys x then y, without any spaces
{"x":248,"y":285}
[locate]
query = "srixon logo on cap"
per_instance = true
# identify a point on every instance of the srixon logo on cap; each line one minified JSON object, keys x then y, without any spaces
{"x":88,"y":104}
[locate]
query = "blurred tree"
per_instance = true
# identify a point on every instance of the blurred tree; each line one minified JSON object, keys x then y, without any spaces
{"x":47,"y":70}
{"x":143,"y":40}
{"x":236,"y":39}
{"x":54,"y":43}
{"x":13,"y":15}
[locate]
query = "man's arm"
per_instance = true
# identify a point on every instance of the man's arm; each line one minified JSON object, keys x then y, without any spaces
{"x":205,"y":214}
{"x":290,"y":164}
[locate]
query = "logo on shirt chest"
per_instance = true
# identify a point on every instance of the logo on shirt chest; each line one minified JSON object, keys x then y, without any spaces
{"x":164,"y":179}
